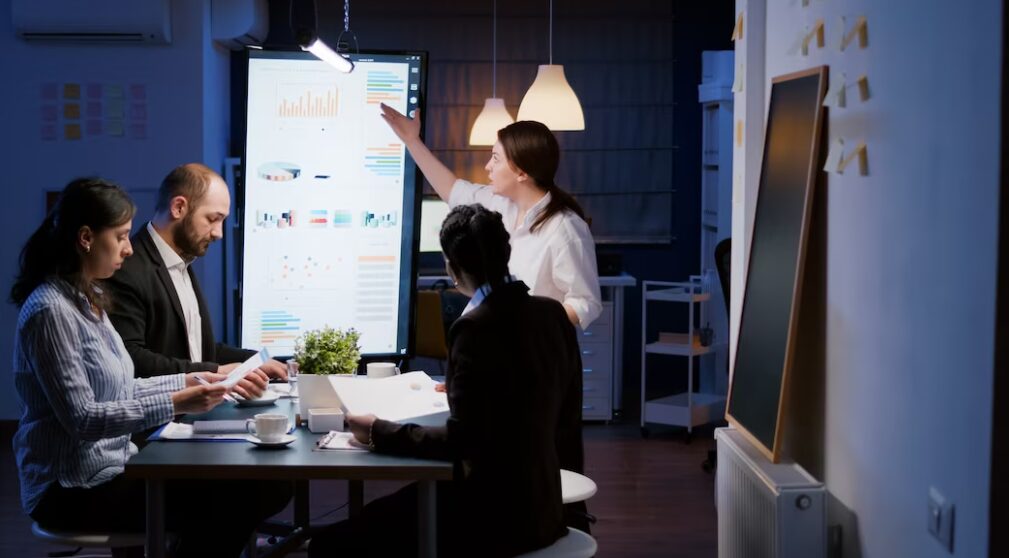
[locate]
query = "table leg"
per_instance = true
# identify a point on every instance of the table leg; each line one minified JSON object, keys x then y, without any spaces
{"x":355,"y":497}
{"x":427,"y":527}
{"x":155,"y":518}
{"x":301,"y":503}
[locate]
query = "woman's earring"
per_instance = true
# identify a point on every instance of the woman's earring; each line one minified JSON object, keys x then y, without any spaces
{"x":87,"y":248}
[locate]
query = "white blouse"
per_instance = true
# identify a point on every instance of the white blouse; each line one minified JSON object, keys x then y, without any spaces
{"x":557,"y":261}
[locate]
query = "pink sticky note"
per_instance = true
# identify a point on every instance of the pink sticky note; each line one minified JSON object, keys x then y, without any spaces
{"x":93,"y":127}
{"x":94,"y":109}
{"x":50,"y":113}
{"x":94,"y":90}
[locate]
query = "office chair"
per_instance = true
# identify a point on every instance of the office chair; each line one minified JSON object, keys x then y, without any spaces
{"x":723,"y":263}
{"x":429,"y":336}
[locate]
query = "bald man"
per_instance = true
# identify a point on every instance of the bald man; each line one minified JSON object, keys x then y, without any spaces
{"x":157,"y":305}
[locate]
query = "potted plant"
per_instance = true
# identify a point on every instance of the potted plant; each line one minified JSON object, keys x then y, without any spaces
{"x":320,"y":353}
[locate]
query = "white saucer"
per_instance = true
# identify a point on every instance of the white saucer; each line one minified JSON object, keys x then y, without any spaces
{"x":269,"y":397}
{"x":287,"y":439}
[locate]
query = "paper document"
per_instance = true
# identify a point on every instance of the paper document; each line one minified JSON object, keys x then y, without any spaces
{"x":254,"y":362}
{"x":177,"y":431}
{"x":408,"y":397}
{"x":219,"y":427}
{"x":338,"y":441}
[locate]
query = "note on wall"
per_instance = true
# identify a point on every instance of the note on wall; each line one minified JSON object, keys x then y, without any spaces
{"x":863,"y":87}
{"x":836,"y":96}
{"x":72,"y":131}
{"x":859,"y":31}
{"x":106,"y":109}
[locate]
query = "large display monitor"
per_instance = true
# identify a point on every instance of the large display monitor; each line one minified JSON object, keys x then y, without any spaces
{"x":329,"y":208}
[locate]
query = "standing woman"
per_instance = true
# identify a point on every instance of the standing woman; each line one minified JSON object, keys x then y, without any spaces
{"x":552,"y":248}
{"x":79,"y":400}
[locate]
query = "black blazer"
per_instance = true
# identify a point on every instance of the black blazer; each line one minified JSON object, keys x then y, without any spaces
{"x":514,"y":384}
{"x":148,"y":316}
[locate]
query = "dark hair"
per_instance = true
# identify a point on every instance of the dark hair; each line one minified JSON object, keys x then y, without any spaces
{"x":190,"y":181}
{"x":52,"y":250}
{"x":475,"y":242}
{"x":532,"y":148}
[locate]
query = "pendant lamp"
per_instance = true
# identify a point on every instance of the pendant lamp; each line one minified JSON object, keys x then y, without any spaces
{"x":494,"y":115}
{"x":550,"y":99}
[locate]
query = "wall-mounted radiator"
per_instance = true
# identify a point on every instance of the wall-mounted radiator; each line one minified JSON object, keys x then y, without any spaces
{"x":766,"y":510}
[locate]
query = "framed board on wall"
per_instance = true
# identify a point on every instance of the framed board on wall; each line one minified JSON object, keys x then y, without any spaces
{"x":766,"y":341}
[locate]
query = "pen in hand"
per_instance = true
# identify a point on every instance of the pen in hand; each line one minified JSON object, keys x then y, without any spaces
{"x":206,"y":383}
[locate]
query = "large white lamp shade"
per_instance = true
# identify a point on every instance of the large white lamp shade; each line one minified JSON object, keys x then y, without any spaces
{"x":492,"y":118}
{"x":551,"y":100}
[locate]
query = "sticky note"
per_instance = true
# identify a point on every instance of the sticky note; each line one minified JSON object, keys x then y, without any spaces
{"x":114,"y":109}
{"x":815,"y":33}
{"x":94,"y":91}
{"x":71,"y":91}
{"x":114,"y":91}
{"x":739,"y":133}
{"x":861,"y":153}
{"x":863,"y":87}
{"x":836,"y":96}
{"x":138,"y":111}
{"x":93,"y":127}
{"x":94,"y":109}
{"x":834,"y":155}
{"x":50,"y":113}
{"x":114,"y":127}
{"x":72,"y":131}
{"x":71,"y":111}
{"x":737,"y":80}
{"x":138,"y":92}
{"x":737,"y":31}
{"x":860,"y":30}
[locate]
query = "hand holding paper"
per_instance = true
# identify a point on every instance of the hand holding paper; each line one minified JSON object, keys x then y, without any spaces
{"x":240,"y":371}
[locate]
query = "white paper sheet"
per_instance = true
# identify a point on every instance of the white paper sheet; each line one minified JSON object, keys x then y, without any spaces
{"x":242,"y":370}
{"x":338,"y":441}
{"x":408,"y":397}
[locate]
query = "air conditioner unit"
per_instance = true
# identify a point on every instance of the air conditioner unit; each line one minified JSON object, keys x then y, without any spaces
{"x":237,"y":24}
{"x":766,"y":510}
{"x":94,"y":21}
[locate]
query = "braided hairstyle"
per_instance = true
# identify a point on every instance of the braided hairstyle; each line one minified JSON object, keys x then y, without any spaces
{"x":52,"y":250}
{"x":475,"y":242}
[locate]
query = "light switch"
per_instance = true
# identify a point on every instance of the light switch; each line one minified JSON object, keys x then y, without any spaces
{"x":940,"y":518}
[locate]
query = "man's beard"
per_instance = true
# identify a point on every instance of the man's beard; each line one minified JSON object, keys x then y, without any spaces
{"x":186,"y":240}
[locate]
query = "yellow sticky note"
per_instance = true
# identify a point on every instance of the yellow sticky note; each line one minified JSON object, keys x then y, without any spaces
{"x":861,"y":153}
{"x":737,"y":31}
{"x":737,"y":80}
{"x":816,"y":33}
{"x":836,"y":96}
{"x":72,"y":131}
{"x":834,"y":155}
{"x":71,"y":91}
{"x":739,"y":133}
{"x":860,"y":30}
{"x":71,"y":111}
{"x":863,"y":88}
{"x":114,"y":127}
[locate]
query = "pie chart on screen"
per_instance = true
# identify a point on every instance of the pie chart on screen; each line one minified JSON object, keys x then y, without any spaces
{"x":279,"y":172}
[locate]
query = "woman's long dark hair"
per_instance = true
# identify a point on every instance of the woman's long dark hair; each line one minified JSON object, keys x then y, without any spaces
{"x":52,"y":250}
{"x":532,"y":148}
{"x":475,"y":243}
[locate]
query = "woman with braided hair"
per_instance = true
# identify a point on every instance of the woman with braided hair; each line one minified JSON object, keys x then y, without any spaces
{"x":514,"y":392}
{"x":552,"y":248}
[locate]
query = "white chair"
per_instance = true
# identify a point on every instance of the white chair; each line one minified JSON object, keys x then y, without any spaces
{"x":576,"y":487}
{"x":114,"y":541}
{"x":575,"y":544}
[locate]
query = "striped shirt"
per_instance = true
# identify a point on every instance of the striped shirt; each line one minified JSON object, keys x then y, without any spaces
{"x":78,"y":399}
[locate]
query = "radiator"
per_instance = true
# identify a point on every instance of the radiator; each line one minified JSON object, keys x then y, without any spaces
{"x":766,"y":510}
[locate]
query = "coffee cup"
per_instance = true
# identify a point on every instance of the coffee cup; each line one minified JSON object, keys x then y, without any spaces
{"x":382,"y":369}
{"x":268,"y":427}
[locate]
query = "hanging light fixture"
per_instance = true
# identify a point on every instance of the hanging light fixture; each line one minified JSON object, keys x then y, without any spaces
{"x":494,"y":115}
{"x":550,"y":99}
{"x":306,"y":33}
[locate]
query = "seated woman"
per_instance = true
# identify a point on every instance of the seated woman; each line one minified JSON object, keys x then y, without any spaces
{"x":79,"y":400}
{"x":514,"y":391}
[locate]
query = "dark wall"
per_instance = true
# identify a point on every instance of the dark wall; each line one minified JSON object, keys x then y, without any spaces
{"x":635,"y":66}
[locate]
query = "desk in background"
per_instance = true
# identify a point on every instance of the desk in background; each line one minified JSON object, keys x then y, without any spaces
{"x":161,"y":461}
{"x":602,"y":346}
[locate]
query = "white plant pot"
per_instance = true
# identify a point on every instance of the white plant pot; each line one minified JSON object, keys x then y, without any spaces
{"x":315,"y":392}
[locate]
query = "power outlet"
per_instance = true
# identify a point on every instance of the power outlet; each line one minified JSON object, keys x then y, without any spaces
{"x":940,"y":518}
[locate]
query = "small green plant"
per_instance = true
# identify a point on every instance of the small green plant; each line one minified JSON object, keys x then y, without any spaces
{"x":328,"y":351}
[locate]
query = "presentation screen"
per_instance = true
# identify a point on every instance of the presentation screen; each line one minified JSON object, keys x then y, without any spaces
{"x":328,"y":212}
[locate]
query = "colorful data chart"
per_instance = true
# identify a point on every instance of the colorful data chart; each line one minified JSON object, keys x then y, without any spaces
{"x":300,"y":272}
{"x":278,"y":327}
{"x":279,"y":172}
{"x":386,"y":161}
{"x":370,"y":219}
{"x":276,"y":220}
{"x":376,"y":297}
{"x":342,"y":219}
{"x":384,"y":87}
{"x":307,"y":100}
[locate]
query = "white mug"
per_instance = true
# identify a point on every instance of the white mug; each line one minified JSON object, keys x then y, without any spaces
{"x":268,"y":427}
{"x":382,"y":369}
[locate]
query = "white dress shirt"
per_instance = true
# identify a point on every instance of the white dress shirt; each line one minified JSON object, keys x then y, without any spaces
{"x":178,"y":270}
{"x":557,"y":261}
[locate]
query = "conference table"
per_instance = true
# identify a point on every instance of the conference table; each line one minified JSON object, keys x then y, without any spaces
{"x":161,"y":461}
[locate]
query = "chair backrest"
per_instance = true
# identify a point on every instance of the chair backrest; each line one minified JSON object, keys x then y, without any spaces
{"x":429,"y":335}
{"x":723,"y":263}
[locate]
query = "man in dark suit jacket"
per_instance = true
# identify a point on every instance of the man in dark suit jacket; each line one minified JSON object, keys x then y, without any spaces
{"x":158,"y":307}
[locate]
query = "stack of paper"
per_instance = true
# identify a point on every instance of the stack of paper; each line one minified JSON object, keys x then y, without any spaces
{"x":409,"y":397}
